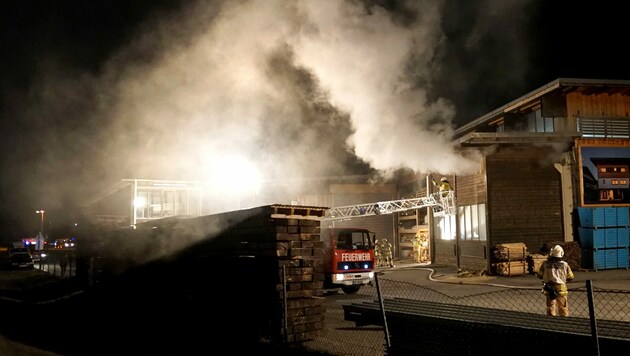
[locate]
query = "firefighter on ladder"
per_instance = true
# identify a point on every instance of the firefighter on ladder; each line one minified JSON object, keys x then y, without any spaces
{"x":444,"y":186}
{"x":446,"y":190}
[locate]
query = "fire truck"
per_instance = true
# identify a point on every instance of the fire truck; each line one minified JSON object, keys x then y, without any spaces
{"x":349,"y":252}
{"x":348,"y":258}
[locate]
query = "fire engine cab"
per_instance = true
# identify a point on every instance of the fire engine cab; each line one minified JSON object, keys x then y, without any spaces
{"x":348,"y":258}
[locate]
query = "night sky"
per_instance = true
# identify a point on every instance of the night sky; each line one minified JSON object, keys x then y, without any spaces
{"x":96,"y":91}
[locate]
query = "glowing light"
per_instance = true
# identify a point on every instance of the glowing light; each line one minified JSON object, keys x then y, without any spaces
{"x":140,"y":202}
{"x":41,"y":212}
{"x":235,"y":175}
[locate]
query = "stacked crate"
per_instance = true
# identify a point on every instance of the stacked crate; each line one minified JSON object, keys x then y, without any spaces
{"x":604,"y":237}
{"x":299,"y":285}
{"x":534,"y":261}
{"x":287,"y":239}
{"x":258,"y":265}
{"x":509,"y":259}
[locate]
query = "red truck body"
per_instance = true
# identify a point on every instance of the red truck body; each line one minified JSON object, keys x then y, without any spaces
{"x":348,"y":258}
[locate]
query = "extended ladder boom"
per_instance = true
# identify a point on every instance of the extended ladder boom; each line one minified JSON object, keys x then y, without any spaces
{"x":444,"y":204}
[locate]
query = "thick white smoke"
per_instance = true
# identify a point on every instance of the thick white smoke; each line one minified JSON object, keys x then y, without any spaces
{"x":362,"y":59}
{"x":245,"y":92}
{"x":238,"y":83}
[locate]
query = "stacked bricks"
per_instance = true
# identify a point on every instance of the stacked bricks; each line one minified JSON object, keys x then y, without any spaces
{"x":275,"y":255}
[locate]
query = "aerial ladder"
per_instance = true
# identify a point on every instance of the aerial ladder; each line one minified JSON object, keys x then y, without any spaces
{"x":442,"y":203}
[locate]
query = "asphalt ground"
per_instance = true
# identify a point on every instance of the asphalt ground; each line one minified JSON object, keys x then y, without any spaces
{"x":37,"y":287}
{"x":43,"y":315}
{"x":15,"y":286}
{"x":616,"y":279}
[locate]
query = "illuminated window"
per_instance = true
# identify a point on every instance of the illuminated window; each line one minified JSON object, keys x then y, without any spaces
{"x":472,"y":222}
{"x":445,"y":227}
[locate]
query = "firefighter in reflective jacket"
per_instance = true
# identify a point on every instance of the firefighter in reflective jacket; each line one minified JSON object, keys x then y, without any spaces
{"x":421,"y":246}
{"x":378,"y":254}
{"x":556,"y":273}
{"x":444,"y":186}
{"x":386,"y":252}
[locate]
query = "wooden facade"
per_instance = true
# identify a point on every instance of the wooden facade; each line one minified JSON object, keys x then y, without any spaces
{"x":530,"y":179}
{"x":471,"y":190}
{"x":524,"y":202}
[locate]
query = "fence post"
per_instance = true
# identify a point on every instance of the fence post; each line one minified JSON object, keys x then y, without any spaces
{"x":591,"y":313}
{"x":380,"y":301}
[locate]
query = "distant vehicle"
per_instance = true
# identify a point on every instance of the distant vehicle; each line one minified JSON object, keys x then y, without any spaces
{"x":20,"y":257}
{"x":37,"y":256}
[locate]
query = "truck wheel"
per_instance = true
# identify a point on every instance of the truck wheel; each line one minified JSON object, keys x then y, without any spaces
{"x":350,"y":289}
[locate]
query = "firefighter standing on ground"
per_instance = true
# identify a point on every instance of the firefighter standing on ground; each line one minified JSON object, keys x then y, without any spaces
{"x":421,"y":247}
{"x":557,"y":272}
{"x":378,"y":255}
{"x":385,"y":249}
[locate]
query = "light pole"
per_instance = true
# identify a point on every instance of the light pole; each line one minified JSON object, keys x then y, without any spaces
{"x":42,"y":225}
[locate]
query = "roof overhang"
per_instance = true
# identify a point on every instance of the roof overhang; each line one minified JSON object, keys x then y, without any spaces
{"x":560,"y":85}
{"x":491,"y":138}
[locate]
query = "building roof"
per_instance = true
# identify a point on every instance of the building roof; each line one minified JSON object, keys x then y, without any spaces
{"x":467,"y":133}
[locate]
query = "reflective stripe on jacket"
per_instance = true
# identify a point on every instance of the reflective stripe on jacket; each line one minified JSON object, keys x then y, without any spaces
{"x":558,"y":272}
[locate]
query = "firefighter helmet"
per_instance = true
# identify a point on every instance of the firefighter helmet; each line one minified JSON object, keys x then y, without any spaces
{"x":557,"y":251}
{"x":443,"y":179}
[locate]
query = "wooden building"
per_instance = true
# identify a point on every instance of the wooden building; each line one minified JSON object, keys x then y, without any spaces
{"x":531,"y":179}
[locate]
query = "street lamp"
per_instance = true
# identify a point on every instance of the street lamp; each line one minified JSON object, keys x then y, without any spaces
{"x":42,"y":225}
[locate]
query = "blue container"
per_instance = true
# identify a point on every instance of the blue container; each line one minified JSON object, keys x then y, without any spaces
{"x":611,"y":237}
{"x":603,"y":217}
{"x":623,"y":237}
{"x":622,"y":258}
{"x":611,"y":257}
{"x":592,"y":238}
{"x":593,"y":259}
{"x":623,"y":216}
{"x":599,"y":259}
{"x":591,"y":217}
{"x":610,"y":217}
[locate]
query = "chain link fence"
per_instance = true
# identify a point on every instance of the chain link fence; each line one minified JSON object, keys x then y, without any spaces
{"x":58,"y":262}
{"x":419,"y":319}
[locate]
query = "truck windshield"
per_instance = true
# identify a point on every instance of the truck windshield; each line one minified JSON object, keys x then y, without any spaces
{"x":353,"y":240}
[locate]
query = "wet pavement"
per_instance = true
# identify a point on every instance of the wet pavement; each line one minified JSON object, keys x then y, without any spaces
{"x":615,"y":279}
